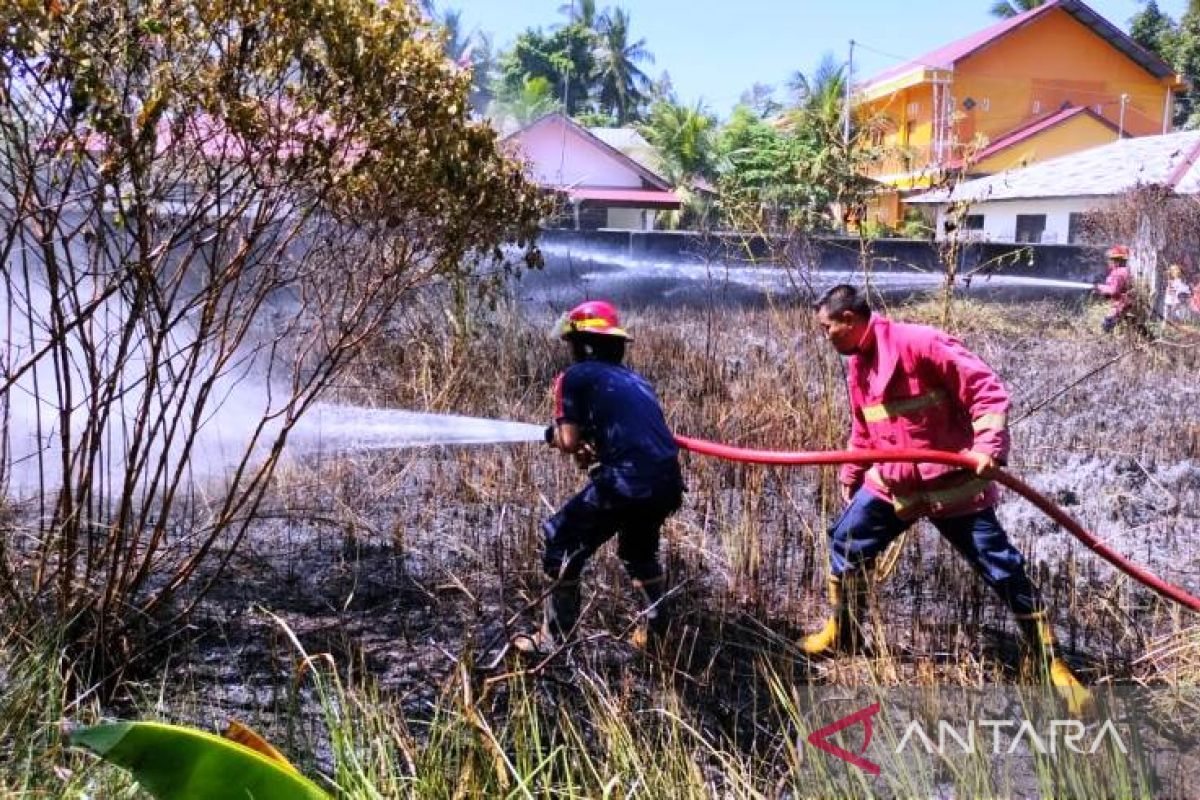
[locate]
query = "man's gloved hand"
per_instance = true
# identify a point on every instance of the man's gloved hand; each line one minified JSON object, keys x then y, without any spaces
{"x":585,"y":456}
{"x":985,"y":465}
{"x":548,"y":435}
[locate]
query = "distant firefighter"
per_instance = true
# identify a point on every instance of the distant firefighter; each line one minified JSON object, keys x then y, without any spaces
{"x":608,"y":417}
{"x":913,"y":386}
{"x":1117,"y":287}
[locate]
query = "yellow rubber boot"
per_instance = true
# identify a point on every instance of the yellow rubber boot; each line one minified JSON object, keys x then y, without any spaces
{"x":842,"y":631}
{"x":1039,"y":637}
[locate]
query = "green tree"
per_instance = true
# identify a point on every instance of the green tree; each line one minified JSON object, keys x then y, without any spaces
{"x":565,"y":58}
{"x":834,"y":166}
{"x":535,"y":99}
{"x":685,"y":137}
{"x":580,"y":12}
{"x":760,"y":98}
{"x":622,"y":84}
{"x":1187,"y":62}
{"x":1006,"y":9}
{"x":1155,"y":31}
{"x":760,"y":183}
{"x":469,"y":50}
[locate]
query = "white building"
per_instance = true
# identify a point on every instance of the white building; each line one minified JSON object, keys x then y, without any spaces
{"x":603,"y":187}
{"x":1045,"y":202}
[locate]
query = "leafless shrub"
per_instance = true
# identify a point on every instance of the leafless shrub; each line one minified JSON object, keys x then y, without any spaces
{"x":207,"y":213}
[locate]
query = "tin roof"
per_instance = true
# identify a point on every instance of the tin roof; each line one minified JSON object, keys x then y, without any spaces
{"x":1168,"y":160}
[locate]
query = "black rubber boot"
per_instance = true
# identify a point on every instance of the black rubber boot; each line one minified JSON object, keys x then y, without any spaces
{"x":560,"y":613}
{"x":655,"y":616}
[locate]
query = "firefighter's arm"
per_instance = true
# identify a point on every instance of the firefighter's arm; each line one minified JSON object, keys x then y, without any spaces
{"x":980,"y":392}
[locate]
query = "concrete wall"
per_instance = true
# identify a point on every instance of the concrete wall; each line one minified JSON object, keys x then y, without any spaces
{"x":1051,"y":261}
{"x":1000,"y":217}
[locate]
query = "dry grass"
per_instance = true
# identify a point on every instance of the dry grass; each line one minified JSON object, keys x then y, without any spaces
{"x":405,"y":566}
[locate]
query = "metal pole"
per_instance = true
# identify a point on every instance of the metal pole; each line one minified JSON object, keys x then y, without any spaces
{"x":846,"y":103}
{"x":1121,"y":119}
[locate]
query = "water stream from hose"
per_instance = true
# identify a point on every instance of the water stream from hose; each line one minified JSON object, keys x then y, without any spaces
{"x":350,"y":428}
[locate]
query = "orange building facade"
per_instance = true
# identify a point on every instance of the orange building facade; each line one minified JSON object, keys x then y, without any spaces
{"x":1054,"y":80}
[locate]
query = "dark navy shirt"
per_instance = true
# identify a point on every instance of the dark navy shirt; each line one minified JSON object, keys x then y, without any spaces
{"x":617,"y":411}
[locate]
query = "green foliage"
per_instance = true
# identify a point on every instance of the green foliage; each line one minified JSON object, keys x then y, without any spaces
{"x":534,"y":99}
{"x":622,"y":84}
{"x":176,"y":763}
{"x":762,"y":167}
{"x":685,"y":137}
{"x":596,"y":119}
{"x":834,"y":167}
{"x":1006,"y":9}
{"x":1154,"y":30}
{"x":565,"y":58}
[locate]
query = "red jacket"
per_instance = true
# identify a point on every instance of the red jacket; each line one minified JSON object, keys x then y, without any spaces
{"x":1116,"y":288}
{"x":915,"y":386}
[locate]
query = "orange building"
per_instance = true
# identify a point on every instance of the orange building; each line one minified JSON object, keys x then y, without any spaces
{"x":1054,"y":80}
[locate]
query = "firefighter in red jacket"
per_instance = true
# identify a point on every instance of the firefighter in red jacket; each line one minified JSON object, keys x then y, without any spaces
{"x":1117,"y":287}
{"x":913,"y":386}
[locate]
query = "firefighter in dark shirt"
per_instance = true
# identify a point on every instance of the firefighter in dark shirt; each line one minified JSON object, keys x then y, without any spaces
{"x":608,"y":417}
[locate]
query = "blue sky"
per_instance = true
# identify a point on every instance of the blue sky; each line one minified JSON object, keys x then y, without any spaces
{"x":715,"y":49}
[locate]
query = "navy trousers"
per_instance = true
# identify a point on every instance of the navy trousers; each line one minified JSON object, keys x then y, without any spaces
{"x":869,"y":525}
{"x":605,"y":508}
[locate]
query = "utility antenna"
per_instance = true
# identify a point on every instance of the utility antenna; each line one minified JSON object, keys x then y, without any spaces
{"x":846,"y":103}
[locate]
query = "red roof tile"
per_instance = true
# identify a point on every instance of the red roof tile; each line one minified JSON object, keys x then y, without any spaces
{"x":946,"y":57}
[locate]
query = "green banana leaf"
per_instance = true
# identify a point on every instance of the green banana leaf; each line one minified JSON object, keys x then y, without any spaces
{"x":177,"y":763}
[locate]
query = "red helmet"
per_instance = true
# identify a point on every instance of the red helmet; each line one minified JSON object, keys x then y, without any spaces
{"x":1118,"y":252}
{"x":594,"y":317}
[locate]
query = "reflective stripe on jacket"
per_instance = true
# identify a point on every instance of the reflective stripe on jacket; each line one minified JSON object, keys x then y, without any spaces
{"x":913,"y":386}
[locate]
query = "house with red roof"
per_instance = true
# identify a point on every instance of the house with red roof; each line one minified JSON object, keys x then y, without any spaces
{"x":1052,"y":81}
{"x":604,"y":178}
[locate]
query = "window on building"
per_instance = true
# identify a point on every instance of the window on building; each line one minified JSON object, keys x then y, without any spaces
{"x":985,"y":104}
{"x":973,"y":222}
{"x":1037,"y":106}
{"x":914,"y":109}
{"x":1075,"y":230}
{"x":1030,"y":227}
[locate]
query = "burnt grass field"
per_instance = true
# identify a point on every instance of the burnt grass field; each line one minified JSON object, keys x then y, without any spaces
{"x":410,"y":568}
{"x":369,"y":608}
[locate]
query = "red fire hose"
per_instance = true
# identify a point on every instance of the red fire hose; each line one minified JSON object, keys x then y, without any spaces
{"x":818,"y":458}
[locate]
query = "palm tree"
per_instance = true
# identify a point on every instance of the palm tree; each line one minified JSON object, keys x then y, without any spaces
{"x":685,"y":137}
{"x":824,"y":91}
{"x":622,"y":84}
{"x":458,"y":45}
{"x":582,"y":12}
{"x":1005,"y":9}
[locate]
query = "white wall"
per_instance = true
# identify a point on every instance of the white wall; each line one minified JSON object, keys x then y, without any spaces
{"x":630,"y":219}
{"x":572,"y":160}
{"x":1000,"y":217}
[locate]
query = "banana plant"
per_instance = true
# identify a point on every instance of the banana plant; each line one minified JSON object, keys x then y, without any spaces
{"x":177,"y":763}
